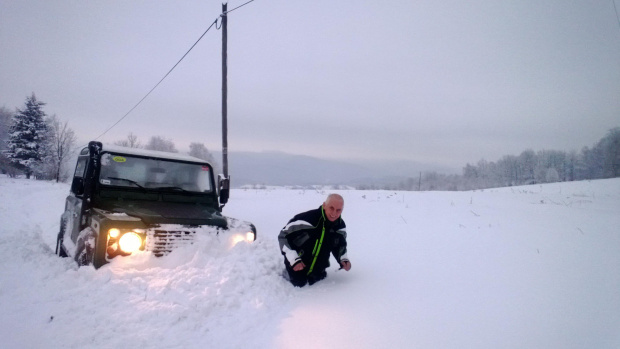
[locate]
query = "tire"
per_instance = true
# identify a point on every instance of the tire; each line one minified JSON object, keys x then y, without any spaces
{"x":85,"y":253}
{"x":85,"y":256}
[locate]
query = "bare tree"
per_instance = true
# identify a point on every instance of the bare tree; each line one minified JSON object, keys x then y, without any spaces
{"x":61,"y":140}
{"x":527,"y":162}
{"x":5,"y":123}
{"x":130,"y":142}
{"x":610,"y":147}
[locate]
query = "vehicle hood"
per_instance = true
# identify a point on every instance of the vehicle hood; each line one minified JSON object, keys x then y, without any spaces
{"x":170,"y":213}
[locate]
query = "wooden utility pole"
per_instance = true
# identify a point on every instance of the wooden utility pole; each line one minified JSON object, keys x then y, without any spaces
{"x":224,"y":92}
{"x":420,"y":182}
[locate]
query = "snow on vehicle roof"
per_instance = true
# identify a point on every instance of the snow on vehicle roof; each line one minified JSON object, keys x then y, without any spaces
{"x":151,"y":153}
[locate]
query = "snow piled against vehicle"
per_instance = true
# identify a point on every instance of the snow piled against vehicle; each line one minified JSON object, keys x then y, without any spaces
{"x":196,"y":292}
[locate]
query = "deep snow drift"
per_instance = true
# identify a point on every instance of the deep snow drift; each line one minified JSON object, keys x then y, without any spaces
{"x":523,"y":267}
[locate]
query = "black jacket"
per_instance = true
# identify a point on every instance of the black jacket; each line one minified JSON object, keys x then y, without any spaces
{"x":309,"y":237}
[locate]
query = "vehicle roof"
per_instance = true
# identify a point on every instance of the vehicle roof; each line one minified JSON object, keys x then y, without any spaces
{"x":151,"y":153}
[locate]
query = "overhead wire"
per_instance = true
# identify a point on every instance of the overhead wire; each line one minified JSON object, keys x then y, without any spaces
{"x":616,"y":9}
{"x":156,"y":85}
{"x":171,"y":69}
{"x":229,"y":11}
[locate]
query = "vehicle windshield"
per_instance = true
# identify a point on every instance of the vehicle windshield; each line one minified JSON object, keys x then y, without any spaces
{"x":147,"y":173}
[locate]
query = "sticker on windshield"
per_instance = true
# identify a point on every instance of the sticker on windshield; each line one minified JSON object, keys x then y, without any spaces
{"x":119,"y":159}
{"x":205,"y":168}
{"x":105,"y":181}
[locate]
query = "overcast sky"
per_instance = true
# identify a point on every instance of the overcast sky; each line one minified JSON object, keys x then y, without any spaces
{"x":448,"y":82}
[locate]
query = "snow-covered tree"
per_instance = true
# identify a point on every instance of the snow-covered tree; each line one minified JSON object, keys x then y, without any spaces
{"x":527,"y":164}
{"x":5,"y":122}
{"x":594,"y":161}
{"x":552,"y":175}
{"x":610,"y":147}
{"x":61,"y":141}
{"x":161,"y":144}
{"x":199,"y":150}
{"x":27,"y":136}
{"x":571,"y":165}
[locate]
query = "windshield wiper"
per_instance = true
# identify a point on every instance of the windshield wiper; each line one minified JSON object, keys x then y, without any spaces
{"x":173,"y":188}
{"x":128,"y":181}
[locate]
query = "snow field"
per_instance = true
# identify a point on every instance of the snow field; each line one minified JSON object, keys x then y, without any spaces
{"x":533,"y":266}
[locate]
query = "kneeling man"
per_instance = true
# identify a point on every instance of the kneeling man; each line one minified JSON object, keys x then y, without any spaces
{"x":310,"y":237}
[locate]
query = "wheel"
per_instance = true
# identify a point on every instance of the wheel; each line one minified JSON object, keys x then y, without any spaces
{"x":85,"y":256}
{"x":86,"y":250}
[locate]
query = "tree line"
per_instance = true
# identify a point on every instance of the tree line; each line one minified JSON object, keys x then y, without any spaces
{"x":41,"y":146}
{"x":602,"y":160}
{"x":34,"y":144}
{"x":159,"y":143}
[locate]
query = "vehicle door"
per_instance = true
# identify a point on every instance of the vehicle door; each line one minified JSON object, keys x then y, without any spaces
{"x":73,"y":203}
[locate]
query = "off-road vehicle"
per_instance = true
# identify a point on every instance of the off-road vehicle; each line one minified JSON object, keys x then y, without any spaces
{"x":126,"y":199}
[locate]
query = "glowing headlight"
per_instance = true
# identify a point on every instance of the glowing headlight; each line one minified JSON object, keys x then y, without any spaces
{"x":114,"y":233}
{"x":130,"y":242}
{"x":247,"y":237}
{"x":237,"y":238}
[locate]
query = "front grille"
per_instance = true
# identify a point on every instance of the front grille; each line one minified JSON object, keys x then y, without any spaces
{"x":162,"y":242}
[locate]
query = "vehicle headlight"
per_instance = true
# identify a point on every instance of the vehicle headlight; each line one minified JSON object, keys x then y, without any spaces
{"x":114,"y":233}
{"x":130,"y":242}
{"x":239,"y":237}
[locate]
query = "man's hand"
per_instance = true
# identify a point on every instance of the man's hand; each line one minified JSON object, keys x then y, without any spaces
{"x":346,"y":265}
{"x":299,"y":266}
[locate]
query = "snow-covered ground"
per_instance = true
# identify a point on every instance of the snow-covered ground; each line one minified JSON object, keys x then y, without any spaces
{"x":523,"y":267}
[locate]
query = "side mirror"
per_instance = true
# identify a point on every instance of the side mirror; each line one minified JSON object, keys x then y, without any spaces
{"x":77,"y":186}
{"x":224,"y":188}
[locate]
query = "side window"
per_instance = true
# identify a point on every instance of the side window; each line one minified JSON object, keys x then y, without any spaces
{"x":80,"y":168}
{"x":77,"y":185}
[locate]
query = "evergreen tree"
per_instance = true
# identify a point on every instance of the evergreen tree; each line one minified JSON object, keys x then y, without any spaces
{"x":27,"y":136}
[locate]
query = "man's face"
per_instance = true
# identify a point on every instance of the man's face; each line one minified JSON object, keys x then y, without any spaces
{"x":333,"y":208}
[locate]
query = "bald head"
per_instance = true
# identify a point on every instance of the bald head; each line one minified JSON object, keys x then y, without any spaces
{"x":333,"y":206}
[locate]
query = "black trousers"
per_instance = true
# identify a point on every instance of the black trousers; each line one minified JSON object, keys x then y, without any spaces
{"x":301,"y":278}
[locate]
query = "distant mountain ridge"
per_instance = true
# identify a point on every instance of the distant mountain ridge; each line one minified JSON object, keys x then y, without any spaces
{"x":278,"y":168}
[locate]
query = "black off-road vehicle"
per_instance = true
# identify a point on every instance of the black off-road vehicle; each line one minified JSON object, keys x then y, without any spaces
{"x":125,"y":199}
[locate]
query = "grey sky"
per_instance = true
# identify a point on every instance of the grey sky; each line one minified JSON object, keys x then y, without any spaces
{"x":448,"y":82}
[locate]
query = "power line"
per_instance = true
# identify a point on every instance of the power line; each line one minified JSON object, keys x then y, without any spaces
{"x":160,"y":81}
{"x":170,"y":71}
{"x":229,"y":11}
